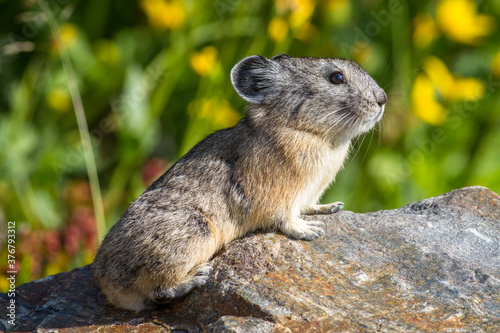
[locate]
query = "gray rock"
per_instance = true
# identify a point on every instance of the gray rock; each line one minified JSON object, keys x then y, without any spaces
{"x":431,"y":266}
{"x":241,"y":325}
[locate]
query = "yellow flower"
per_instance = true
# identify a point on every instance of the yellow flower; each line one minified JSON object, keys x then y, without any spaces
{"x":277,"y":29}
{"x":218,"y":112}
{"x":423,"y":101}
{"x":68,"y":35}
{"x":425,"y":30}
{"x":450,"y":87}
{"x":222,"y":114}
{"x":205,"y":61}
{"x":468,"y":89}
{"x":459,"y":20}
{"x":438,"y":81}
{"x":164,"y":14}
{"x":307,"y":32}
{"x":301,"y":13}
{"x":495,"y":64}
{"x":437,"y":71}
{"x":59,"y":100}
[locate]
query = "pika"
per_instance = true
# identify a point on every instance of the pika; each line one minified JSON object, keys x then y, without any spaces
{"x":261,"y":174}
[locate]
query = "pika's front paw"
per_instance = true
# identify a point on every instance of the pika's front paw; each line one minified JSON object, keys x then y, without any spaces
{"x":331,"y":208}
{"x":334,"y":207}
{"x":306,"y":230}
{"x":202,"y":274}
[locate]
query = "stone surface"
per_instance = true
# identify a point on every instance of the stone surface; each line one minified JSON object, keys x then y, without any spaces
{"x":431,"y":266}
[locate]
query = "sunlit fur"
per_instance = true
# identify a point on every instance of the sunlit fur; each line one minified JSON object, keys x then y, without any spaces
{"x":262,"y":174}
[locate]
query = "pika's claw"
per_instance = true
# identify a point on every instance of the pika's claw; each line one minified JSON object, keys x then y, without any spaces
{"x":306,"y":230}
{"x":202,"y":274}
{"x":331,"y":208}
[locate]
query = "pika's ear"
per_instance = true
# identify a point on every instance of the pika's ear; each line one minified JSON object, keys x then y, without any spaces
{"x":281,"y":56}
{"x":253,"y":78}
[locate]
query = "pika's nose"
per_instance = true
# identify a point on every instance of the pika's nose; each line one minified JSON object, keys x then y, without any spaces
{"x":380,"y":97}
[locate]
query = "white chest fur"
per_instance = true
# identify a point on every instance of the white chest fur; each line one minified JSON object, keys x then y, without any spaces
{"x":320,"y":173}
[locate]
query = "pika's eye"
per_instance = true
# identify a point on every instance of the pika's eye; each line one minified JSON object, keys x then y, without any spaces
{"x":336,"y":78}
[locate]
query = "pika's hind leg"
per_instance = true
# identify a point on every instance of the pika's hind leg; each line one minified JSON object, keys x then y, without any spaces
{"x":333,"y":207}
{"x":298,"y":228}
{"x":198,"y":276}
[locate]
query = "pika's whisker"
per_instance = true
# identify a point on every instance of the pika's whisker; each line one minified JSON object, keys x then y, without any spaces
{"x":338,"y":110}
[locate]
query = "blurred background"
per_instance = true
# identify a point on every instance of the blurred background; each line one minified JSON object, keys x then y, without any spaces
{"x":98,"y":98}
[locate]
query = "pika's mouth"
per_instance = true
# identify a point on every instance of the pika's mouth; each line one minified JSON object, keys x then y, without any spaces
{"x":374,"y":115}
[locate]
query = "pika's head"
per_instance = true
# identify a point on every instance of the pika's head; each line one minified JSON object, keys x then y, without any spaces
{"x":334,"y":98}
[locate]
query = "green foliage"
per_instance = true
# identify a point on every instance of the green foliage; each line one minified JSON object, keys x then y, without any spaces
{"x":154,"y":80}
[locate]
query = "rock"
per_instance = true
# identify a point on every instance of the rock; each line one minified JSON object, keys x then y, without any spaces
{"x":240,"y":325}
{"x":430,"y":266}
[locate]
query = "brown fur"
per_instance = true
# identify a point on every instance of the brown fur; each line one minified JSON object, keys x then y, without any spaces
{"x":262,"y":174}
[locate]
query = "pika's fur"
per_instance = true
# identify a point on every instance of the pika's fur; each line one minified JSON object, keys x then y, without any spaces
{"x":263,"y":173}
